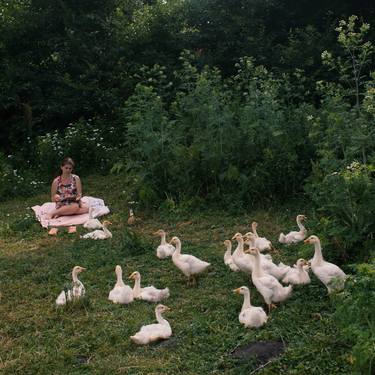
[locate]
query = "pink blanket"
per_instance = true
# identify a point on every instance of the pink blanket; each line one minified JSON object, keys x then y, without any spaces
{"x":42,"y":213}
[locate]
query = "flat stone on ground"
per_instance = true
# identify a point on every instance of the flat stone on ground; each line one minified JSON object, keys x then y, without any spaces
{"x":261,"y":351}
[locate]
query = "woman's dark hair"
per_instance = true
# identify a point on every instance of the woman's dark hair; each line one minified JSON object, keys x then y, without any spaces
{"x":66,"y":161}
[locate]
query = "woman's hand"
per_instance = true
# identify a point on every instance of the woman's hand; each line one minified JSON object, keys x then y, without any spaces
{"x":56,"y":198}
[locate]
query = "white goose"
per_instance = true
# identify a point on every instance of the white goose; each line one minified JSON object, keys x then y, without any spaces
{"x":250,"y":316}
{"x":77,"y":291}
{"x":228,"y":260}
{"x":260,"y":242}
{"x":267,"y":285}
{"x":332,"y":276}
{"x":297,"y":275}
{"x":188,"y":264}
{"x":92,"y":223}
{"x":100,"y":234}
{"x":149,"y":293}
{"x":295,"y":236}
{"x":244,"y":262}
{"x":121,"y":293}
{"x":154,"y":332}
{"x":164,"y":250}
{"x":278,"y":271}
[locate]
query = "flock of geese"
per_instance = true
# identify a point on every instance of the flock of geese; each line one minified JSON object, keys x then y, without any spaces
{"x":267,"y":277}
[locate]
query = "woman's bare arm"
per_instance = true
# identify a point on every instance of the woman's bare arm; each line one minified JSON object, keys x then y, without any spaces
{"x":79,"y":188}
{"x":54,"y":196}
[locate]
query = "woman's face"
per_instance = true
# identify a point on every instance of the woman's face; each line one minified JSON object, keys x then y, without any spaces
{"x":67,"y":168}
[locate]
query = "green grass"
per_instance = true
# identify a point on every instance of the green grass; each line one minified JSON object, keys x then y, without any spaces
{"x":92,"y":336}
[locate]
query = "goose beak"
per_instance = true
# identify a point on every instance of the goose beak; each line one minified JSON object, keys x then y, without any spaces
{"x":155,"y":233}
{"x":83,"y":269}
{"x":166,"y":308}
{"x":236,"y":290}
{"x":306,"y":241}
{"x":131,"y":276}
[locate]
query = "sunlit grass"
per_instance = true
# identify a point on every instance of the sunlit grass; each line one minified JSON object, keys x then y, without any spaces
{"x":92,"y":335}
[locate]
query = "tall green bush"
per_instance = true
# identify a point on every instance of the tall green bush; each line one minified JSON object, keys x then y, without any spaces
{"x":233,"y":141}
{"x":342,"y":184}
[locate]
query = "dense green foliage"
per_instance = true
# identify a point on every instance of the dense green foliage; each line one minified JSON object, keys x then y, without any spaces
{"x":238,"y":139}
{"x":234,"y":104}
{"x":355,"y":316}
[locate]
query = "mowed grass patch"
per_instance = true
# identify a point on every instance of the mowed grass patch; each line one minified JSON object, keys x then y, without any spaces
{"x":92,"y":335}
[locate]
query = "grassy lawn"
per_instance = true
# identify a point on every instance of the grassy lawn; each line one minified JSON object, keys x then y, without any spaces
{"x":92,"y":336}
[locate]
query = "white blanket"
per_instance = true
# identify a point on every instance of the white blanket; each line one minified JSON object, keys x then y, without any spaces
{"x":42,"y":213}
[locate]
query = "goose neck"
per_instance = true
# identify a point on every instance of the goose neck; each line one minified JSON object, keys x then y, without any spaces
{"x":177,"y":252}
{"x":106,"y":230}
{"x":318,"y":256}
{"x":254,"y":229}
{"x":257,"y":271}
{"x":75,"y":276}
{"x":246,"y":301}
{"x":227,"y":253}
{"x":240,"y":246}
{"x":163,"y":241}
{"x":137,"y":286}
{"x":119,"y":278}
{"x":300,"y":225}
{"x":159,"y":318}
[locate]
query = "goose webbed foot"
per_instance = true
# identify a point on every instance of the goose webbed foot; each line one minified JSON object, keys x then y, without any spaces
{"x":194,"y":281}
{"x":270,"y":307}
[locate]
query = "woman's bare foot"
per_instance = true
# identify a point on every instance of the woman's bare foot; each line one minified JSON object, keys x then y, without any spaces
{"x":53,"y":231}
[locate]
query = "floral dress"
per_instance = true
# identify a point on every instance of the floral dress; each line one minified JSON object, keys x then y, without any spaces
{"x":67,"y":191}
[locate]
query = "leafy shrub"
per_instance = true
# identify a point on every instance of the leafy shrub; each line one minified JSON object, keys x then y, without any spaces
{"x":342,"y":184}
{"x":84,"y":141}
{"x":355,"y":316}
{"x":15,"y":182}
{"x":345,"y":201}
{"x":133,"y":244}
{"x":231,"y":141}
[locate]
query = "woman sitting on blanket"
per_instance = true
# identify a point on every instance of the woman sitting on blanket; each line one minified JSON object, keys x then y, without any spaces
{"x":66,"y":191}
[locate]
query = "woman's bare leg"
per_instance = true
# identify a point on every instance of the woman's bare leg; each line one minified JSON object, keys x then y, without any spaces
{"x":71,"y":209}
{"x":84,"y":209}
{"x":67,"y":210}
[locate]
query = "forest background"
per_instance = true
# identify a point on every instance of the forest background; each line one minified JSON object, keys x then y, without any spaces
{"x":230,"y":104}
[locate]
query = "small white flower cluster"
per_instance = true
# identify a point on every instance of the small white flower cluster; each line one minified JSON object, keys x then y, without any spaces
{"x":54,"y":141}
{"x":354,"y":166}
{"x":37,"y":184}
{"x":80,"y":136}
